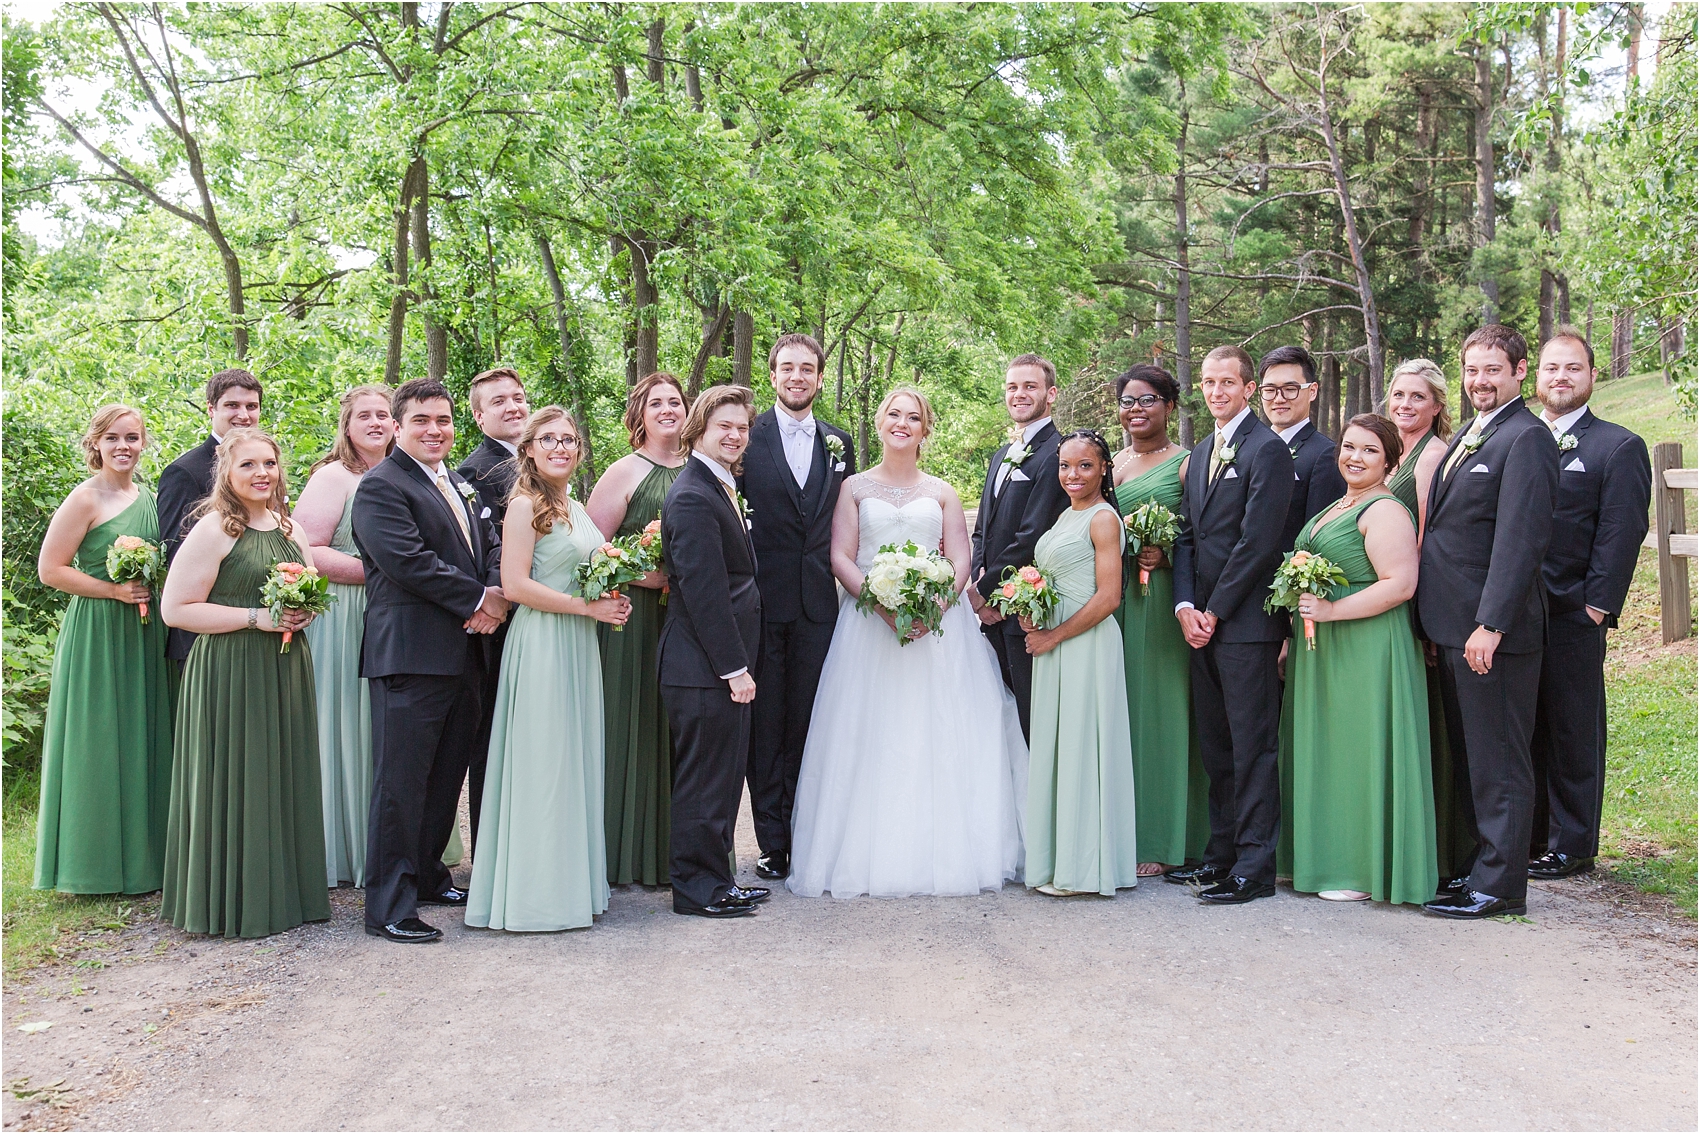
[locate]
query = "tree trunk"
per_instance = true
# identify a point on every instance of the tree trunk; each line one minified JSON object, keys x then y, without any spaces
{"x":864,"y":419}
{"x":1551,"y":91}
{"x":1331,"y":393}
{"x":1360,"y":262}
{"x":1635,"y":24}
{"x":1485,"y":216}
{"x":1183,"y":285}
{"x":1622,"y":342}
{"x":713,"y":330}
{"x":436,"y":338}
{"x":743,"y":346}
{"x":1670,"y":348}
{"x":399,"y":277}
{"x":563,"y":331}
{"x":1422,"y":194}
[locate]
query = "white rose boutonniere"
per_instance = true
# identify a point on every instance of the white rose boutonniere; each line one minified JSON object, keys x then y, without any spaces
{"x":1018,"y":450}
{"x":1567,"y":443}
{"x":1474,"y":441}
{"x":467,"y":492}
{"x":745,"y":511}
{"x":1226,"y":454}
{"x":835,"y":450}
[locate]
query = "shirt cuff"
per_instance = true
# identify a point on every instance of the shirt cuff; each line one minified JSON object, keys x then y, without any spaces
{"x":1180,"y":606}
{"x":734,"y":673}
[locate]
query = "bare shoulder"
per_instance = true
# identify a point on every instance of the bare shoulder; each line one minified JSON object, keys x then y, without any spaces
{"x":1386,"y":512}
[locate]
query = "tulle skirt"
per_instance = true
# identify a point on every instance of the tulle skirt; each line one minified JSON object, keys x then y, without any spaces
{"x":914,"y":772}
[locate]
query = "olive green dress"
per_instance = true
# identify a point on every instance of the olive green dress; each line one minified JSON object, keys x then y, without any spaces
{"x":640,"y":750}
{"x":106,"y":751}
{"x":1170,"y":790}
{"x":1452,"y":839}
{"x":1357,"y":794}
{"x":245,"y":847}
{"x":1080,"y":802}
{"x":540,"y":860}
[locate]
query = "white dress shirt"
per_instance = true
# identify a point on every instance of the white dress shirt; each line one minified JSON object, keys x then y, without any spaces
{"x":1291,"y":431}
{"x":1561,"y":425}
{"x":798,"y":438}
{"x":1004,"y":467}
{"x":1224,"y":434}
{"x":724,"y":477}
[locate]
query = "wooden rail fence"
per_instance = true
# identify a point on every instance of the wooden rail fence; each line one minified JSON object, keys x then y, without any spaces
{"x":1676,"y":545}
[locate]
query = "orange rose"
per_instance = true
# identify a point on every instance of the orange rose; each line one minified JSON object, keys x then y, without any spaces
{"x":1009,"y":590}
{"x":1300,"y":558}
{"x":1030,"y":575}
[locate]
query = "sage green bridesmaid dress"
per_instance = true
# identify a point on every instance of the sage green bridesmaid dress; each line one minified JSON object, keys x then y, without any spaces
{"x":1358,"y":794}
{"x":1170,"y":790}
{"x":106,"y":749}
{"x":639,"y":810}
{"x":542,"y":864}
{"x":245,"y":847}
{"x":1080,"y":797}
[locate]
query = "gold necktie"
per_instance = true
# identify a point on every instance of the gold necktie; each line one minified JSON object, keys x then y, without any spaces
{"x":1216,"y":457}
{"x":455,"y":506}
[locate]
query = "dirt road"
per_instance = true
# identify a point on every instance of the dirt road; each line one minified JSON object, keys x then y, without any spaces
{"x":1005,"y":1010}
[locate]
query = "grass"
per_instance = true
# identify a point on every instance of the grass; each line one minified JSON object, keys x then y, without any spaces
{"x":1642,"y":403}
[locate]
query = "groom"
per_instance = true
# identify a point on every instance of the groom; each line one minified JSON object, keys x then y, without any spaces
{"x":711,"y":639}
{"x":791,"y":478}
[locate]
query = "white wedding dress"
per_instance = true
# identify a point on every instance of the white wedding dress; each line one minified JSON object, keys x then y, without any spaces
{"x":914,"y":771}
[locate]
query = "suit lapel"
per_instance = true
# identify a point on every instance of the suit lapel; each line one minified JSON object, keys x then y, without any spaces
{"x":818,"y":488}
{"x":992,"y":493}
{"x":1235,"y":440}
{"x":414,"y":469}
{"x":775,"y":440}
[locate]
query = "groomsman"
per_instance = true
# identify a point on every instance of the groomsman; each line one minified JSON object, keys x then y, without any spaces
{"x":1286,"y":381}
{"x":1021,"y":499}
{"x":710,"y":640}
{"x":1604,"y":487}
{"x":233,"y":402}
{"x":1238,"y":489}
{"x":500,"y":410}
{"x":791,"y":476}
{"x":433,"y":575}
{"x":1481,"y":600}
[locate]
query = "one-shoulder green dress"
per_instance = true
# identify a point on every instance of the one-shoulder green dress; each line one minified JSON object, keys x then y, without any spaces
{"x":245,"y":847}
{"x":1080,"y":804}
{"x":1357,"y":794}
{"x":106,"y":750}
{"x":540,"y":863}
{"x":639,"y":811}
{"x":1170,"y":790}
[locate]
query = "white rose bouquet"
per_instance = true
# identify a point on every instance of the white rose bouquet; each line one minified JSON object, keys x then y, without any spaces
{"x":915,"y":587}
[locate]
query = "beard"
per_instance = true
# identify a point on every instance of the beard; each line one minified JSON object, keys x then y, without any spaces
{"x":794,"y":404}
{"x":1562,"y":402}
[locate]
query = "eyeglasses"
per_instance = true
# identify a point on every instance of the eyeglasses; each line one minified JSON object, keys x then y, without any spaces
{"x":550,"y":442}
{"x":1284,"y":393}
{"x":1143,"y":401}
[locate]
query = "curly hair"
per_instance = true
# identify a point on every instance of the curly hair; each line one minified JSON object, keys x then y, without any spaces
{"x":1107,"y":485}
{"x":232,"y":511}
{"x":550,"y":504}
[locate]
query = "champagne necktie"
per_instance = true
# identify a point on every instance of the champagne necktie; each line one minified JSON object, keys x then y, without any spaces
{"x":455,"y":506}
{"x":1216,"y":457}
{"x":1462,"y":450}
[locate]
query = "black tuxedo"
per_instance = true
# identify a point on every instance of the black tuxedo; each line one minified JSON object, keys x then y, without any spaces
{"x":791,"y":529}
{"x":1225,"y":557}
{"x":1604,"y":487}
{"x":184,"y":484}
{"x":713,"y":630}
{"x":1490,"y":520}
{"x":491,"y":470}
{"x":423,"y":581}
{"x":1006,"y":530}
{"x":1317,"y":482}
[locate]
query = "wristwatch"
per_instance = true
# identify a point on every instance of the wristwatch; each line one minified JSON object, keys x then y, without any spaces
{"x":253,"y":617}
{"x":1492,"y":629}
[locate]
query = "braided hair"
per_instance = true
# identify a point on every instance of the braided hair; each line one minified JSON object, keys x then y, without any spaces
{"x":1096,"y":440}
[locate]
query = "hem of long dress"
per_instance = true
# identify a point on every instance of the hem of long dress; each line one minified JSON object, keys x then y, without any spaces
{"x":828,"y":892}
{"x":99,"y":891}
{"x":470,"y":924}
{"x":1380,"y":896}
{"x":240,"y":936}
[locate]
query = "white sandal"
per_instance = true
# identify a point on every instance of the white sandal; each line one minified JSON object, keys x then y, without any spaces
{"x":1343,"y":896}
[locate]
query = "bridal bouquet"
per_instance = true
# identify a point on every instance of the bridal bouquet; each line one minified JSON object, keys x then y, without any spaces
{"x":915,"y":586}
{"x":132,"y":559}
{"x":1303,"y":573}
{"x":292,"y":586}
{"x":1150,"y":525}
{"x":1027,"y":592}
{"x":609,"y":568}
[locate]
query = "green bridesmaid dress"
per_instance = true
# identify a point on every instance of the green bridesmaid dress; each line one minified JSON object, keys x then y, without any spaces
{"x":1357,"y":794}
{"x":106,"y":751}
{"x":639,"y":810}
{"x":1080,"y":801}
{"x":542,"y":864}
{"x":245,"y":849}
{"x":1170,"y":790}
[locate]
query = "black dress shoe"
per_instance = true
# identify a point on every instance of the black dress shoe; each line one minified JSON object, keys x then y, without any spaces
{"x":1235,"y":891}
{"x":719,"y":909}
{"x":1557,"y":864}
{"x":1473,"y":904}
{"x":751,"y":894}
{"x":450,"y":897}
{"x":1203,"y":874}
{"x":1450,"y":886}
{"x":407,"y":931}
{"x":774,"y":866}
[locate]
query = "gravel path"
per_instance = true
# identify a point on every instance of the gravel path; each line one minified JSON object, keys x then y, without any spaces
{"x":1004,"y":1010}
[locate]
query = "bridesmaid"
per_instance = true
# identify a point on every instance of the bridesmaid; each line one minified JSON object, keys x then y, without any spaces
{"x":106,"y":752}
{"x":245,"y":846}
{"x":639,"y":775}
{"x":1361,"y":803}
{"x":1170,"y":789}
{"x":541,"y":860}
{"x":1080,"y":808}
{"x":365,"y":434}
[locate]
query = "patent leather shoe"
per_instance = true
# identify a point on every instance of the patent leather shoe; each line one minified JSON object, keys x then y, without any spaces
{"x":407,"y":931}
{"x":719,"y":909}
{"x":1203,"y":874}
{"x":1234,"y":891}
{"x":752,"y":894}
{"x":774,"y":866}
{"x":1450,"y":886}
{"x":453,"y":896}
{"x":1557,"y":864}
{"x":1473,"y":904}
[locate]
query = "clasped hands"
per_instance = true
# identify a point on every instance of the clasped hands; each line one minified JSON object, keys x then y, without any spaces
{"x":491,"y":613}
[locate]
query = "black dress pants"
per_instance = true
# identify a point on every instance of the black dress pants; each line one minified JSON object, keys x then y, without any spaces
{"x":480,"y":759}
{"x":424,"y":727}
{"x":1569,"y":748}
{"x":1009,"y":642}
{"x":791,"y":660}
{"x":711,"y":741}
{"x":1236,"y":698}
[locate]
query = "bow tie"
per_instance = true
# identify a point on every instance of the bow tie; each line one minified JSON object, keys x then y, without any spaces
{"x":791,"y":427}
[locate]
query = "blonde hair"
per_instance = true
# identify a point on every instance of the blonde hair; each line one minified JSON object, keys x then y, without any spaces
{"x":636,"y":433}
{"x":1430,"y":373}
{"x":103,"y":420}
{"x":921,"y":403}
{"x":709,"y":401}
{"x":232,"y":511}
{"x":343,"y":450}
{"x":549,"y":504}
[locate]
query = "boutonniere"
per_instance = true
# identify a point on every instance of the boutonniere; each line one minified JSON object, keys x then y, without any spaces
{"x":1018,"y":451}
{"x":835,"y":450}
{"x":1474,"y":441}
{"x":744,"y":509}
{"x":1567,"y":443}
{"x":467,"y":492}
{"x":1293,"y":452}
{"x":1225,"y":456}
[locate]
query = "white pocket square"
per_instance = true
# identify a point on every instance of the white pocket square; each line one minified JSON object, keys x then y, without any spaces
{"x":1017,"y":474}
{"x":1233,"y":474}
{"x":1575,"y":466}
{"x":839,"y":467}
{"x":1481,"y":468}
{"x":484,"y":515}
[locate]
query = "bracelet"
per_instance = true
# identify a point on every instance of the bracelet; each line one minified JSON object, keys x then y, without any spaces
{"x":253,"y":617}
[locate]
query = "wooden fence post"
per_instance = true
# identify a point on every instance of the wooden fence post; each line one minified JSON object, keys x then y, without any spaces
{"x":1675,"y":612}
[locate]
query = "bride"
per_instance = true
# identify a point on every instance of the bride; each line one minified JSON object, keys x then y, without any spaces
{"x":914,"y":767}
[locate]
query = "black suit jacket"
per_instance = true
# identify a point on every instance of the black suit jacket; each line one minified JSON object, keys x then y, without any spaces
{"x":714,"y":616}
{"x":182,"y":486}
{"x":1317,"y":482}
{"x":1009,"y":524}
{"x":791,"y":527}
{"x":1489,"y":525}
{"x":491,"y":470}
{"x":1604,"y":487}
{"x":422,"y":580}
{"x":1230,"y":532}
